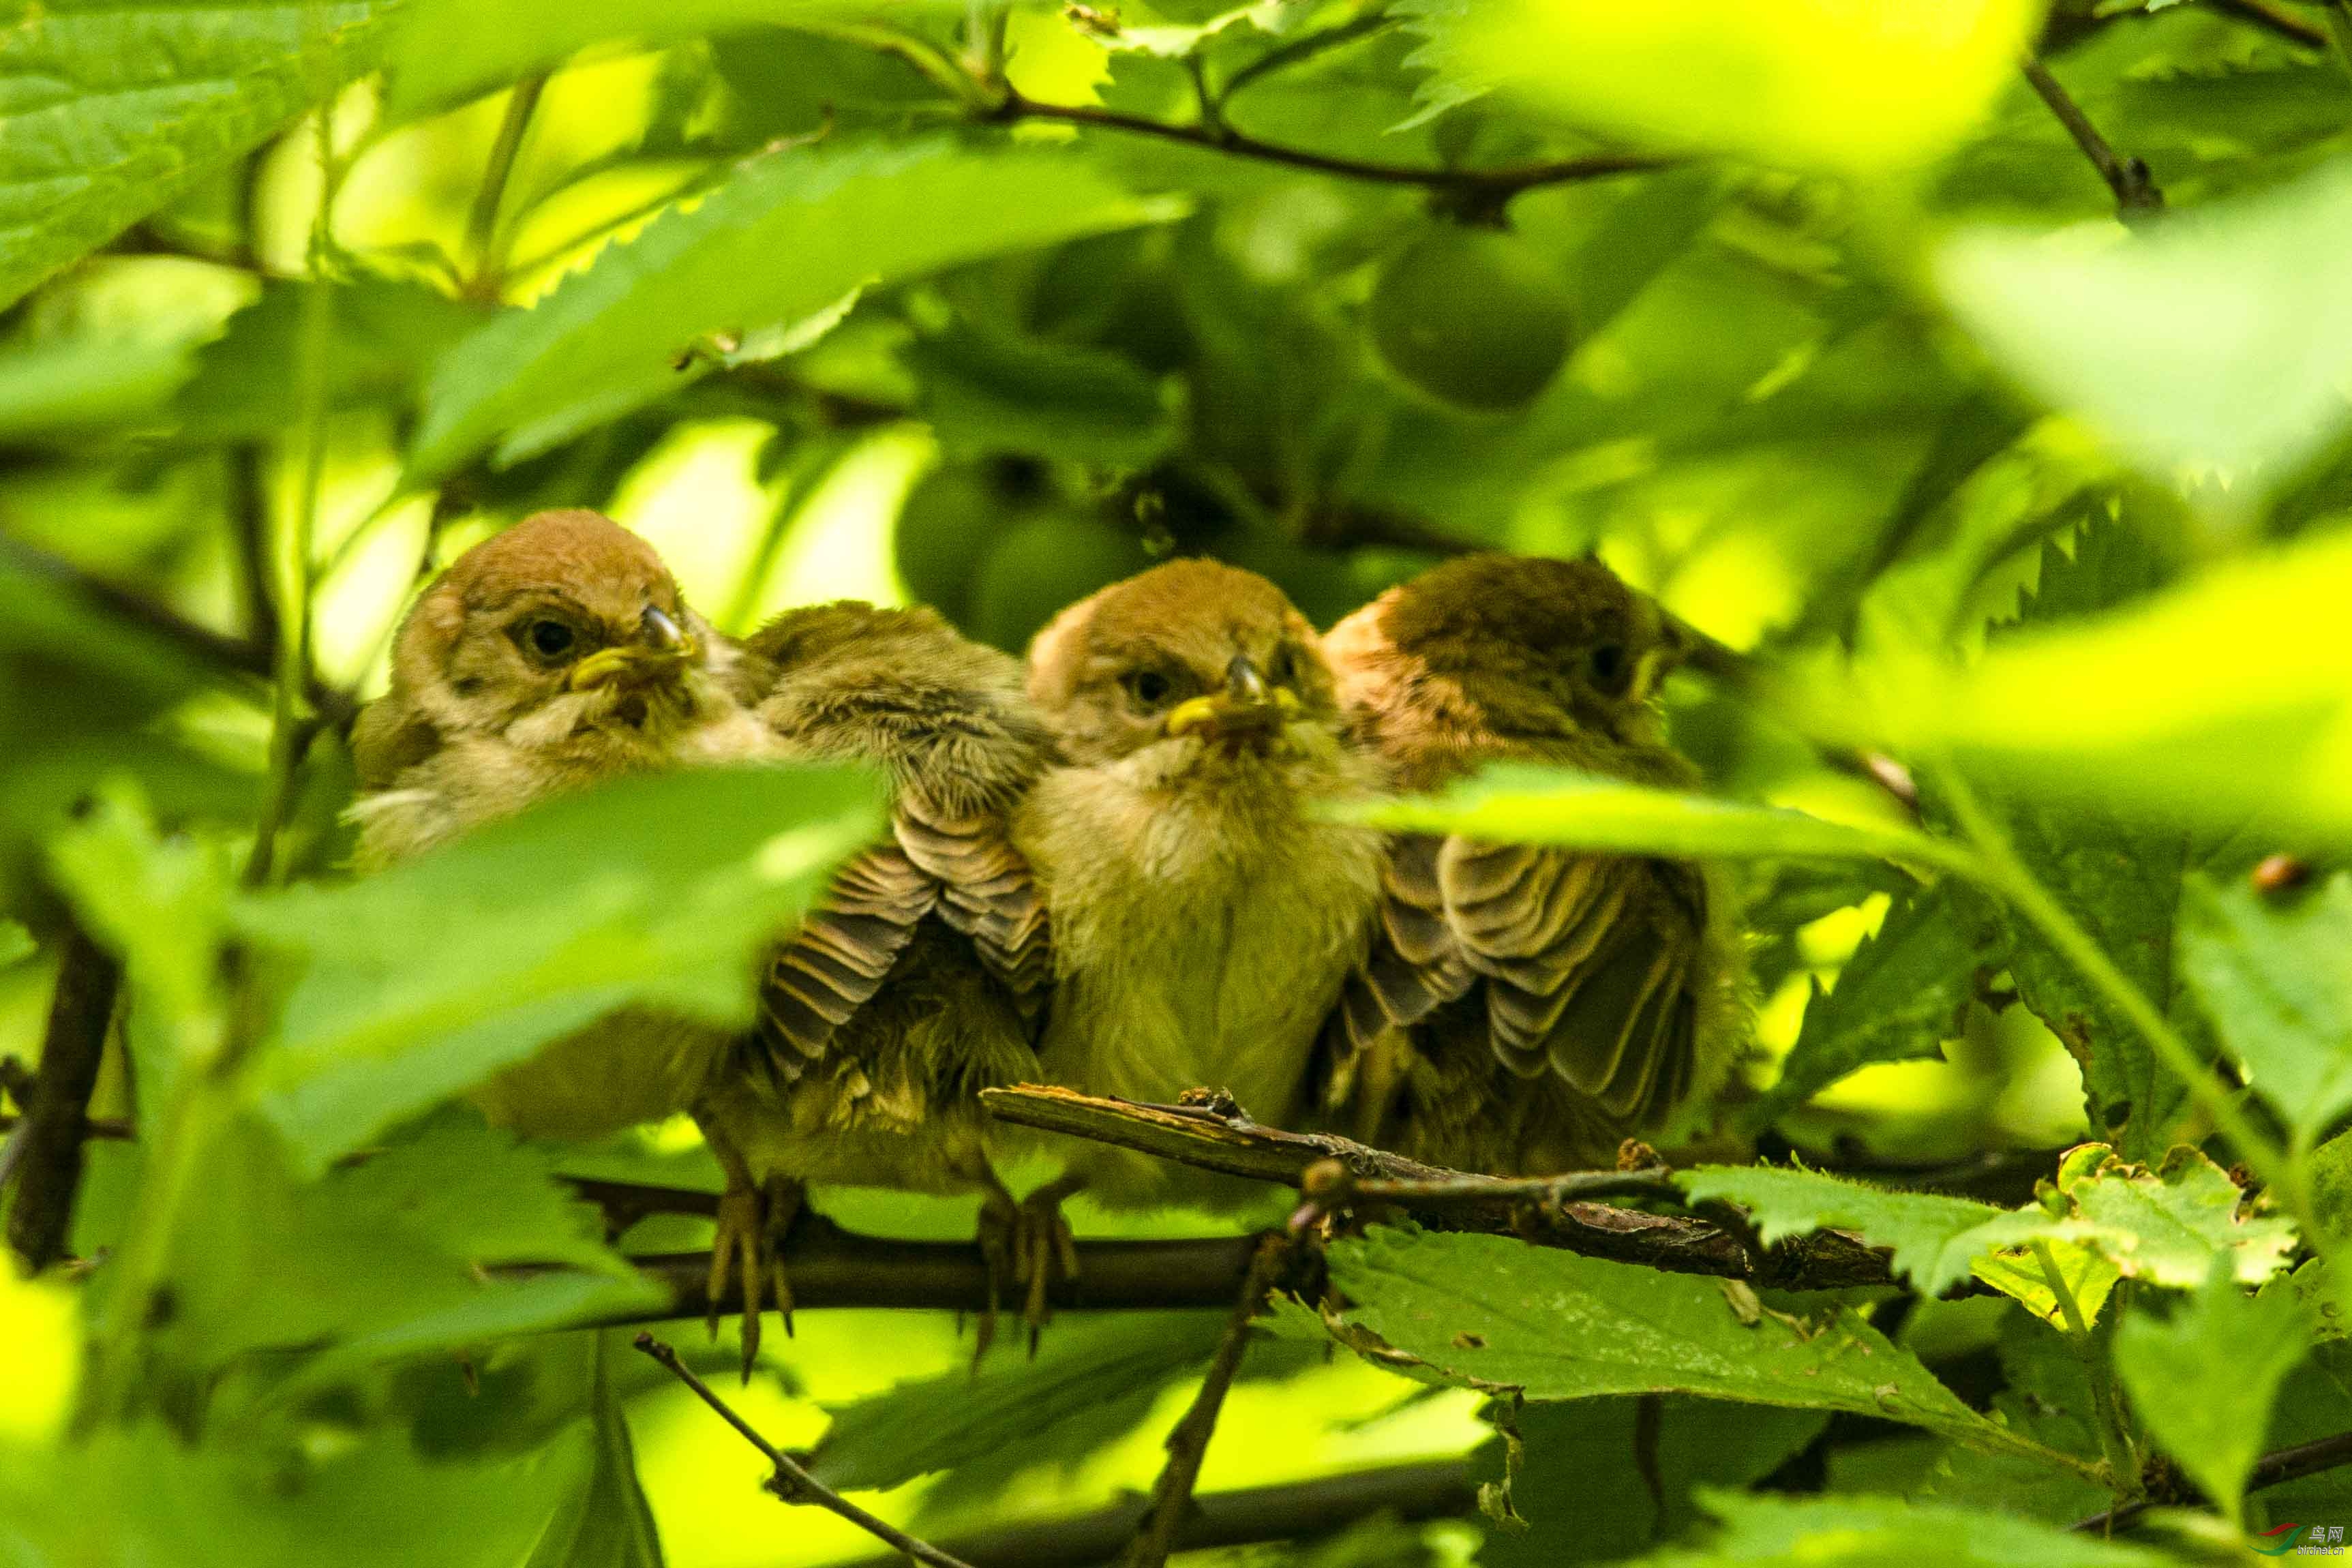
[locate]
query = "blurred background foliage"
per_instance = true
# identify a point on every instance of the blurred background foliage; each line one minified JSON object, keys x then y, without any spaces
{"x":1822,"y":321}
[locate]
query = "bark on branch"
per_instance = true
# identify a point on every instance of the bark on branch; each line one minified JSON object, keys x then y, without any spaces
{"x":1299,"y":1511}
{"x":1551,"y":1211}
{"x":49,"y":1143}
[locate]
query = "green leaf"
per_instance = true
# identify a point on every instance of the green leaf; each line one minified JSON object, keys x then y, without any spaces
{"x":1085,"y":1388}
{"x":2048,"y":1397}
{"x":987,"y":391}
{"x":163,"y":906}
{"x":2132,"y":710}
{"x":387,"y":336}
{"x":2244,"y":376}
{"x":16,"y":943}
{"x":108,"y":111}
{"x":1491,"y":1312}
{"x":1897,"y":999}
{"x":426,"y":978}
{"x":1519,"y":803}
{"x":848,"y":216}
{"x":1935,"y":1236}
{"x":382,"y":1258}
{"x":443,"y":52}
{"x":1870,"y":1533}
{"x":609,"y":1524}
{"x":2275,"y":977}
{"x":1591,"y":1449}
{"x":2175,"y":1224}
{"x":2203,"y":1379}
{"x":366,"y":1499}
{"x":2119,"y":877}
{"x":2169,"y":1226}
{"x":1817,"y":82}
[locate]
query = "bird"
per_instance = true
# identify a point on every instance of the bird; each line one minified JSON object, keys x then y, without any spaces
{"x":553,"y":655}
{"x":1526,"y":1008}
{"x":1205,"y":909}
{"x":921,"y":975}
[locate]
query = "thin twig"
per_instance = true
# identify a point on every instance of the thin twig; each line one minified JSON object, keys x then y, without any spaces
{"x":790,"y":1482}
{"x":1301,"y":49}
{"x":227,"y":654}
{"x":1482,"y":186}
{"x":1187,"y":1441}
{"x":2275,"y":1468}
{"x":105,"y":1129}
{"x":249,"y":522}
{"x":50,"y":1144}
{"x":1245,"y":1516}
{"x":2276,"y":18}
{"x":2134,"y":188}
{"x":482,"y":222}
{"x":292,"y":728}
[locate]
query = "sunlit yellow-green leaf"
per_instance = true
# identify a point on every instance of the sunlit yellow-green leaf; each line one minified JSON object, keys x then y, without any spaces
{"x":616,"y":336}
{"x":2229,"y":695}
{"x":444,"y":51}
{"x":1518,"y":803}
{"x":2218,"y":338}
{"x":1857,"y":85}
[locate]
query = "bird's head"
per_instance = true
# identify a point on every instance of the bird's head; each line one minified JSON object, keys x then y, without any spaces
{"x":564,"y":622}
{"x":948,"y":717}
{"x":1208,"y":660}
{"x":1530,"y":650}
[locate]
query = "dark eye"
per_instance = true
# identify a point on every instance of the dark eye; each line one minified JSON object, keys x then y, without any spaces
{"x":1147,"y":687}
{"x":1283,"y":668}
{"x":549,"y":639}
{"x":1612,"y":670}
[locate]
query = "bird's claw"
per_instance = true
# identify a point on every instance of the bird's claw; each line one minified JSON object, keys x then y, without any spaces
{"x":748,"y":1248}
{"x":1029,"y":1242}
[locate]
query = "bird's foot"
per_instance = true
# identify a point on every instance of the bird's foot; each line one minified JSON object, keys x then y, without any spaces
{"x":747,"y":1255}
{"x":1029,"y":1242}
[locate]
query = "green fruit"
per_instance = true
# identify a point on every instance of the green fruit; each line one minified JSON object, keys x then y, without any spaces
{"x":1474,"y":316}
{"x":1042,"y":565}
{"x":944,"y":531}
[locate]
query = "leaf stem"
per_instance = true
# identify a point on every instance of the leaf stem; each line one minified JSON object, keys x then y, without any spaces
{"x":482,"y":222}
{"x":2002,"y":871}
{"x":2123,"y":1471}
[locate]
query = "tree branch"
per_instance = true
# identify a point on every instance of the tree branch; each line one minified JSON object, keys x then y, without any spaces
{"x":2272,"y":18}
{"x":831,"y":1267}
{"x":1187,"y":1441}
{"x":49,"y":1158}
{"x":790,"y":1482}
{"x":1297,"y":1510}
{"x":1547,"y":1211}
{"x":2275,"y":1468}
{"x":1475,"y":187}
{"x":2134,"y":188}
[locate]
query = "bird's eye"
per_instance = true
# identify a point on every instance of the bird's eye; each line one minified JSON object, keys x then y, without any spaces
{"x":1283,"y":668}
{"x":1612,"y":670}
{"x":1149,"y":688}
{"x":549,"y":639}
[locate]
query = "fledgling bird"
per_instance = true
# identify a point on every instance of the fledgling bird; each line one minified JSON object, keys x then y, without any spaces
{"x":921,"y":976}
{"x":1526,"y":1008}
{"x":553,"y":655}
{"x":1205,"y":913}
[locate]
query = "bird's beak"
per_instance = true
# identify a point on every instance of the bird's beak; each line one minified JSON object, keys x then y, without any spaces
{"x":1247,"y":709}
{"x":662,"y":649}
{"x":1685,"y":645}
